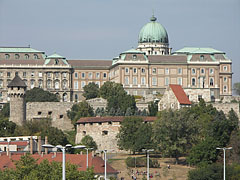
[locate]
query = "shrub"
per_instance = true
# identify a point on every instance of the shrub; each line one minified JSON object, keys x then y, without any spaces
{"x":141,"y":162}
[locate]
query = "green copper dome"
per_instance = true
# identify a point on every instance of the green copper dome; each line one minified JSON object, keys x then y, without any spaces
{"x":153,"y":32}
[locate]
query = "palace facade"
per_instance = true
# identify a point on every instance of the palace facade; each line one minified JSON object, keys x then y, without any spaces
{"x":148,"y":69}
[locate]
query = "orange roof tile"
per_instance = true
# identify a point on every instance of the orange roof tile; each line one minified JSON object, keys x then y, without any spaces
{"x":180,"y":94}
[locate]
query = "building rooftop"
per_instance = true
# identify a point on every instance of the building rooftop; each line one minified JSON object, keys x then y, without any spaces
{"x":197,"y":50}
{"x":167,"y":59}
{"x":180,"y":94}
{"x":17,"y":82}
{"x":18,"y":50}
{"x":81,"y":64}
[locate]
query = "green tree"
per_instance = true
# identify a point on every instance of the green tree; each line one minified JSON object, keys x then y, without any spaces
{"x":172,"y":133}
{"x":5,"y":112}
{"x":82,"y":109}
{"x":236,"y":88}
{"x":153,"y":108}
{"x":91,"y":91}
{"x":7,"y":128}
{"x":39,"y":95}
{"x":134,"y":135}
{"x":117,"y":97}
{"x":89,"y":142}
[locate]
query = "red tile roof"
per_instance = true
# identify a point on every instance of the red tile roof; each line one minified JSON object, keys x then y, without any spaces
{"x":111,"y":119}
{"x":18,"y":143}
{"x":180,"y":94}
{"x":79,"y":160}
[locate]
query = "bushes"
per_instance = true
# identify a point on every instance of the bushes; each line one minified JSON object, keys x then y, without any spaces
{"x":141,"y":162}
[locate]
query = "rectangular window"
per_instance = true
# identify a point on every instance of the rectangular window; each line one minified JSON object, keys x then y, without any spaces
{"x":76,"y":75}
{"x":225,"y":79}
{"x":166,"y":81}
{"x":83,"y":83}
{"x":75,"y":84}
{"x":202,"y":71}
{"x":126,"y":80}
{"x":64,"y":75}
{"x":32,"y":74}
{"x":199,"y":97}
{"x":24,"y":74}
{"x":154,"y":81}
{"x":49,"y":75}
{"x":1,"y":74}
{"x":193,"y":82}
{"x":225,"y":89}
{"x":211,"y":71}
{"x":225,"y":68}
{"x":97,"y":75}
{"x":90,"y":75}
{"x":1,"y":83}
{"x":154,"y":70}
{"x":57,"y":74}
{"x":8,"y":74}
{"x":179,"y":70}
{"x":98,"y":83}
{"x":40,"y":74}
{"x":179,"y":81}
{"x":143,"y":82}
{"x":166,"y":71}
{"x":104,"y":75}
{"x":134,"y":80}
{"x":143,"y":70}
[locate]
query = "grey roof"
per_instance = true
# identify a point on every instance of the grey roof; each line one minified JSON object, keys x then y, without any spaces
{"x":22,"y":62}
{"x":167,"y":59}
{"x":90,"y":64}
{"x":17,"y":82}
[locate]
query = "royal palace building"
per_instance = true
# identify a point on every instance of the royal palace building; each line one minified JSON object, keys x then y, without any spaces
{"x":148,"y":69}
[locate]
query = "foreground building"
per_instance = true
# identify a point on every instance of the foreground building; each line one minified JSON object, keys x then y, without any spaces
{"x":148,"y":69}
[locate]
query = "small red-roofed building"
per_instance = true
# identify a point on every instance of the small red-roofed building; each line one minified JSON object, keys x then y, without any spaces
{"x":103,"y":130}
{"x":174,"y":98}
{"x":96,"y":162}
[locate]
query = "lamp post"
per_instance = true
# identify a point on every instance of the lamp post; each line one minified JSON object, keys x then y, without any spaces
{"x":87,"y":154}
{"x":105,"y":166}
{"x":63,"y":149}
{"x":147,"y":151}
{"x":224,"y":159}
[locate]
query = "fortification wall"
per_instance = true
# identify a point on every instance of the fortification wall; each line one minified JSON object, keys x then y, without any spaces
{"x":226,"y":107}
{"x":57,"y":111}
{"x":104,"y":134}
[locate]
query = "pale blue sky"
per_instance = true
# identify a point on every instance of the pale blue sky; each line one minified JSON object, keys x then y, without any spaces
{"x":101,"y":29}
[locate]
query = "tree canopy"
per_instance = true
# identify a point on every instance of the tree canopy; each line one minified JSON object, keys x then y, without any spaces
{"x":39,"y":95}
{"x":117,"y":97}
{"x":89,"y":142}
{"x":236,"y":87}
{"x":134,"y":134}
{"x":82,"y":109}
{"x":91,"y":91}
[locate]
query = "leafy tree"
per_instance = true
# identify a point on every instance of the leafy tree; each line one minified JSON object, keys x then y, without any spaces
{"x":153,"y":108}
{"x":27,"y":168}
{"x":235,"y":144}
{"x":39,"y":95}
{"x":117,"y":97}
{"x":91,"y":91}
{"x":82,"y":109}
{"x":236,"y":88}
{"x":5,"y":112}
{"x":172,"y":133}
{"x":89,"y":142}
{"x":204,"y":153}
{"x":134,"y":135}
{"x":7,"y":128}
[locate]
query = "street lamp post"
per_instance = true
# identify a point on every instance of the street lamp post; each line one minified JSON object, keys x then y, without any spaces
{"x":87,"y":154}
{"x":148,"y":150}
{"x":224,"y":160}
{"x":63,"y":149}
{"x":105,"y":166}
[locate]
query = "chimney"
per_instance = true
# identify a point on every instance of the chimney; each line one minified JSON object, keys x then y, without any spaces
{"x":39,"y":145}
{"x":7,"y":150}
{"x":31,"y":145}
{"x":46,"y":142}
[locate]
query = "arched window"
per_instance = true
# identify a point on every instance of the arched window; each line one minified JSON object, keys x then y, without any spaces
{"x":64,"y":97}
{"x":7,"y":56}
{"x":49,"y":84}
{"x":17,"y":56}
{"x":64,"y":84}
{"x":201,"y":57}
{"x":193,"y":82}
{"x":56,"y":84}
{"x":211,"y":82}
{"x":32,"y":84}
{"x":35,"y":56}
{"x":56,"y":61}
{"x":26,"y":56}
{"x":40,"y":83}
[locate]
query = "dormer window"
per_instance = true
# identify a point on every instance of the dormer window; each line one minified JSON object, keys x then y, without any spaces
{"x":201,"y":57}
{"x":7,"y":56}
{"x":26,"y":56}
{"x":56,"y":61}
{"x":134,"y":56}
{"x":35,"y":56}
{"x":17,"y":56}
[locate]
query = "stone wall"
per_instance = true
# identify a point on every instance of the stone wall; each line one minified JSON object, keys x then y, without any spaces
{"x":194,"y":93}
{"x":168,"y":101}
{"x":104,"y":134}
{"x":97,"y":103}
{"x":57,"y":111}
{"x":226,"y":107}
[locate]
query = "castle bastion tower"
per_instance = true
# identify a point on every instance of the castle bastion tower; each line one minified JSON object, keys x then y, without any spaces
{"x":153,"y":39}
{"x":16,"y":92}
